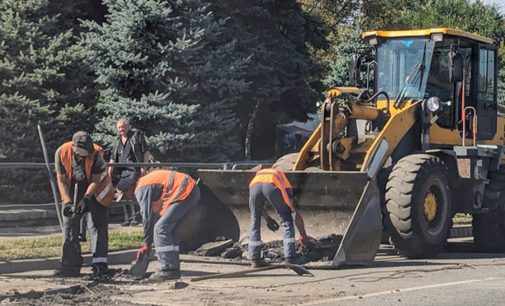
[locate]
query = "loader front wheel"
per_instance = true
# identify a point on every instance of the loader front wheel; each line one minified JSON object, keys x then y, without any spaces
{"x":418,"y":205}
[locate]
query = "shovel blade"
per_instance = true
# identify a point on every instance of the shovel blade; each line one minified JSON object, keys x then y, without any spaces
{"x":138,"y":268}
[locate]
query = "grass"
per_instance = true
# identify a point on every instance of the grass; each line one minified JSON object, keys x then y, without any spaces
{"x":51,"y":245}
{"x":119,"y":239}
{"x":461,"y":219}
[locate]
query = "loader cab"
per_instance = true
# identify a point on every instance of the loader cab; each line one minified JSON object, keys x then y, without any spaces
{"x":457,"y":67}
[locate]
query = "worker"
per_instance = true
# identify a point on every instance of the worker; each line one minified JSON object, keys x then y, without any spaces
{"x":165,"y":198}
{"x":82,"y":175}
{"x":272,"y":185}
{"x":130,"y":147}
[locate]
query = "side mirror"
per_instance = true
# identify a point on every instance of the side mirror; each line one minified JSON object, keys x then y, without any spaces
{"x":456,"y":64}
{"x":355,"y":69}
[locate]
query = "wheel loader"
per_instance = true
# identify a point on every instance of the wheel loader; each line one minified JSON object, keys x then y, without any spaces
{"x":403,"y":157}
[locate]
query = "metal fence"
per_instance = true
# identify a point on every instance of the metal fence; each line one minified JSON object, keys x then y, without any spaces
{"x":28,"y":183}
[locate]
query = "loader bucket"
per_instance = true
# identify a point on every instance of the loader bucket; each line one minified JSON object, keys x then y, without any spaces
{"x":331,"y":202}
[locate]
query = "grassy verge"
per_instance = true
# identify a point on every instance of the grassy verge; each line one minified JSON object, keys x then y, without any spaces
{"x":50,"y":246}
{"x":119,"y":239}
{"x":462,"y":219}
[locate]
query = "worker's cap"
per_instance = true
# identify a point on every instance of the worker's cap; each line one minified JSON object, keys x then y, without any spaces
{"x":82,"y":144}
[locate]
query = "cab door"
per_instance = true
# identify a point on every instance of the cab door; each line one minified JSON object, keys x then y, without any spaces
{"x":486,"y":93}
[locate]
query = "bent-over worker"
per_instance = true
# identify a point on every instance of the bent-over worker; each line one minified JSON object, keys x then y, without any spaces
{"x":80,"y":167}
{"x":165,"y":198}
{"x":273,"y":186}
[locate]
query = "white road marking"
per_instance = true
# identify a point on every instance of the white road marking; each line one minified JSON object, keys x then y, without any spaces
{"x":395,"y":291}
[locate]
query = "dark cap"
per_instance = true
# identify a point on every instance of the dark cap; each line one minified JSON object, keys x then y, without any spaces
{"x":82,"y":143}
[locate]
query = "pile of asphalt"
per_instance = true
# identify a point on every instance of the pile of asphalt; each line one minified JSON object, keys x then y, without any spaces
{"x":323,"y":249}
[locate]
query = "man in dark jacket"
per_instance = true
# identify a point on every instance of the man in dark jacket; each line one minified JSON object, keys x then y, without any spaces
{"x":130,"y":147}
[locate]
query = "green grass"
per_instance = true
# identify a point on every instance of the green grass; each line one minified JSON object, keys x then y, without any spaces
{"x":119,"y":239}
{"x":51,"y":245}
{"x":462,"y":219}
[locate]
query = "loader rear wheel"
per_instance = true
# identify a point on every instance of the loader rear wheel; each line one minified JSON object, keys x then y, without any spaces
{"x":489,"y":228}
{"x":419,"y":205}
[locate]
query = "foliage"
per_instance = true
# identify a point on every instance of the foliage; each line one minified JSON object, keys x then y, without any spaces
{"x":168,"y":67}
{"x":43,"y":79}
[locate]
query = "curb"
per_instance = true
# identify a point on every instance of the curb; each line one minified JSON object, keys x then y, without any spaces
{"x":25,"y":265}
{"x":461,"y":231}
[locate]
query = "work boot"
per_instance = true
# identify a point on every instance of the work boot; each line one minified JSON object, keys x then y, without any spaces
{"x":259,"y":262}
{"x":67,"y":272}
{"x":99,"y":271}
{"x":165,"y":275}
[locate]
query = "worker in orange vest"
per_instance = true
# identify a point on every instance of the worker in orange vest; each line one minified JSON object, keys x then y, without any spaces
{"x":81,"y":174}
{"x":273,"y":186}
{"x":165,"y":198}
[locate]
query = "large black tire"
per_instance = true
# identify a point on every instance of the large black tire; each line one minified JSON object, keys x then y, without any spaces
{"x":416,"y":185}
{"x":489,"y":228}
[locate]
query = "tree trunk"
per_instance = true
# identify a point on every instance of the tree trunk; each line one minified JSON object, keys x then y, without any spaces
{"x":250,"y":132}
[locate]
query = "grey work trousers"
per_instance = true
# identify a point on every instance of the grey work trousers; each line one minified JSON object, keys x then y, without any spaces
{"x":97,"y":221}
{"x":258,"y":194}
{"x":167,"y":245}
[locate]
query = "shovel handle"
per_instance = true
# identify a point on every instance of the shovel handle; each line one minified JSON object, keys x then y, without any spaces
{"x":235,"y":274}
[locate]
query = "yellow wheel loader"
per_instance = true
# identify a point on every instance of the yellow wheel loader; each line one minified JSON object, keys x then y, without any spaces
{"x":403,"y":158}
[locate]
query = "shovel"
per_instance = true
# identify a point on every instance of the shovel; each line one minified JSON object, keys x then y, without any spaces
{"x":139,"y":266}
{"x":298,"y":269}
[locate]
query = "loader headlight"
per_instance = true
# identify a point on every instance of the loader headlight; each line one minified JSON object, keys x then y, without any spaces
{"x":433,"y":104}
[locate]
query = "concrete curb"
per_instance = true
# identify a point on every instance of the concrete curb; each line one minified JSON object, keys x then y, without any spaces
{"x":461,"y":231}
{"x":25,"y":265}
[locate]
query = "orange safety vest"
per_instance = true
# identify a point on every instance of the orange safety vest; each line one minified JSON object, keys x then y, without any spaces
{"x":105,"y":191}
{"x":177,"y":187}
{"x":278,"y":179}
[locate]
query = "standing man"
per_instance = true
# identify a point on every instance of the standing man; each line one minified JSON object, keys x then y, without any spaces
{"x":81,"y":174}
{"x":165,"y":198}
{"x":130,"y":147}
{"x":272,"y":185}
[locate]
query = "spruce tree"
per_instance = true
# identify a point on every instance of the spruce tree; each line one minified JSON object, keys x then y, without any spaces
{"x":284,"y":78}
{"x":168,"y":67}
{"x":42,"y":79}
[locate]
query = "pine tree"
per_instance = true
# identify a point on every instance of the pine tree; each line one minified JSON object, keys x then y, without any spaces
{"x":41,"y":62}
{"x":41,"y":80}
{"x":169,"y":68}
{"x":284,"y":78}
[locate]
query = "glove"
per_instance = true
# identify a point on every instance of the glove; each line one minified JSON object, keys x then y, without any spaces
{"x":143,"y":251}
{"x":271,"y":223}
{"x":83,"y":205}
{"x":68,"y":211}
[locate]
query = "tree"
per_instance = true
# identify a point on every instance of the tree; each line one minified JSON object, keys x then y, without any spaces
{"x":349,"y":45}
{"x":284,"y":78}
{"x":471,"y":16}
{"x":42,"y":79}
{"x":169,"y":67}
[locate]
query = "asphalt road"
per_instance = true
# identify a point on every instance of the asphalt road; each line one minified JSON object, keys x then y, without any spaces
{"x":457,"y":277}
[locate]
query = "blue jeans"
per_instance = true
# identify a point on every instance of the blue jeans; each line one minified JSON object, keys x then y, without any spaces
{"x":258,"y":194}
{"x":167,"y":245}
